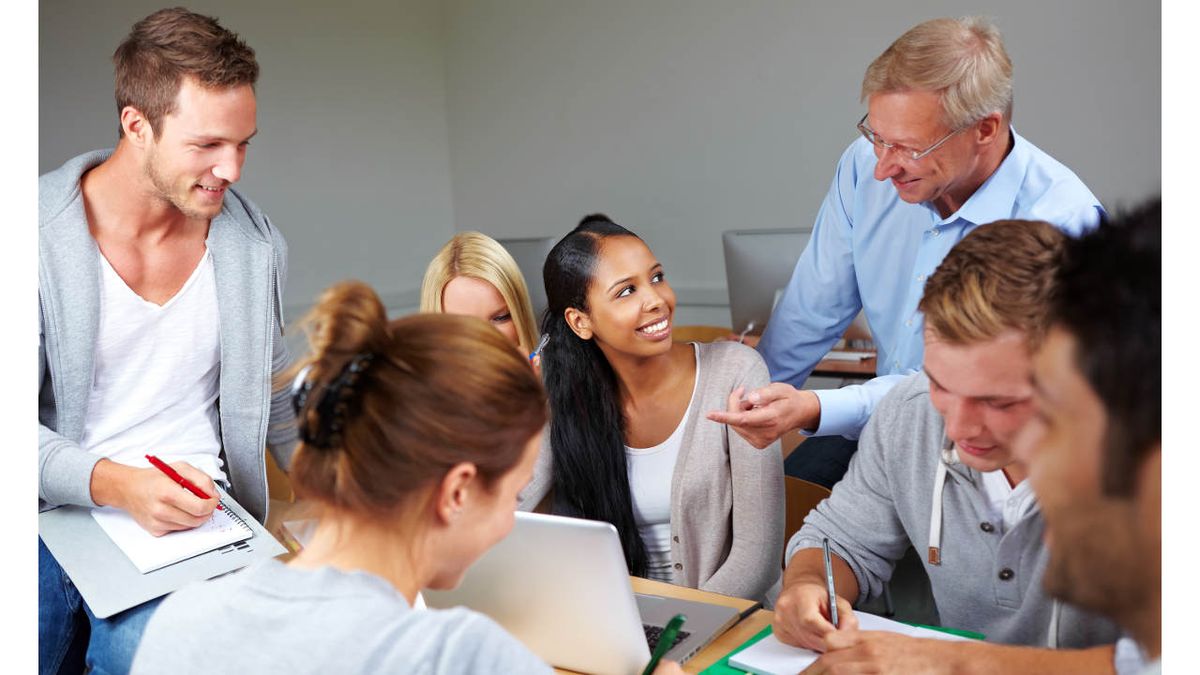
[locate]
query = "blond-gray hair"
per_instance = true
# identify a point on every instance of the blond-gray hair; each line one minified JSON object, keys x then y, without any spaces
{"x":964,"y":60}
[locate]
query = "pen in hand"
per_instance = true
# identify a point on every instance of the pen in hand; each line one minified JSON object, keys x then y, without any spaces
{"x":833,"y":617}
{"x":540,"y":346}
{"x":174,"y":475}
{"x":664,"y":642}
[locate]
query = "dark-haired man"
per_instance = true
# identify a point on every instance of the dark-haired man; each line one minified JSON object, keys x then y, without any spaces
{"x":159,"y":290}
{"x":1094,"y":444}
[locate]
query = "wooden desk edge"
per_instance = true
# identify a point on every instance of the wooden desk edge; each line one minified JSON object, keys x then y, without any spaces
{"x":651,"y":587}
{"x":729,"y":640}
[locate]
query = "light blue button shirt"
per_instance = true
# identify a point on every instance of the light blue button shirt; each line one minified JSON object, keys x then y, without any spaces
{"x":871,"y":250}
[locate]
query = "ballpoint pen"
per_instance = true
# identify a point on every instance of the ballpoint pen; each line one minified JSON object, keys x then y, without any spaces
{"x":833,"y":617}
{"x":540,"y":346}
{"x":174,"y":475}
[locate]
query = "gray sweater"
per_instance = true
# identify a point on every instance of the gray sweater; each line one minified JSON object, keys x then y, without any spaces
{"x":271,"y":618}
{"x":988,"y":581}
{"x":727,"y":500}
{"x":250,"y":263}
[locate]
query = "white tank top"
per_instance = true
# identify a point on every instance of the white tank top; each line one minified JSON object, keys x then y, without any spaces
{"x":650,"y":471}
{"x":157,"y":374}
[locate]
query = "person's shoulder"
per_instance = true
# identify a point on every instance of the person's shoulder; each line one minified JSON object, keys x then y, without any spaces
{"x":198,"y":599}
{"x":727,"y":361}
{"x":729,"y":352}
{"x":57,"y":188}
{"x":906,"y":403}
{"x":476,"y":642}
{"x":1052,"y":192}
{"x":252,"y":218}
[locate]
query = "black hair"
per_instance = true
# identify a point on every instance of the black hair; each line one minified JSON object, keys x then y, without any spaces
{"x":587,"y":427}
{"x":1109,"y":298}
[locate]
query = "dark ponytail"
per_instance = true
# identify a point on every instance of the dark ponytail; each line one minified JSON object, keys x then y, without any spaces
{"x":587,"y":427}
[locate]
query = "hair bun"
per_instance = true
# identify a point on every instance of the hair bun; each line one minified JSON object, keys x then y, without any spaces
{"x":349,"y":319}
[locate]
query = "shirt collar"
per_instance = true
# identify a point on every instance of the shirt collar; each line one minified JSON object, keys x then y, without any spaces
{"x":998,"y":194}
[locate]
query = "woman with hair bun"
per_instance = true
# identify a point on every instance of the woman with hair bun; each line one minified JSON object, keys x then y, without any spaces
{"x":416,"y":437}
{"x":694,"y":504}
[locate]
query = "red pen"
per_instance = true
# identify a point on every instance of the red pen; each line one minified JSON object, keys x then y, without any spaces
{"x":174,"y":475}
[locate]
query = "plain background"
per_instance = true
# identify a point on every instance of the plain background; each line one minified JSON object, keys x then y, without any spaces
{"x":387,"y":126}
{"x":18,"y":270}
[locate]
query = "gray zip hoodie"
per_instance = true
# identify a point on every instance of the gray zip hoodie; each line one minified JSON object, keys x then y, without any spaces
{"x":988,"y":580}
{"x":250,"y":263}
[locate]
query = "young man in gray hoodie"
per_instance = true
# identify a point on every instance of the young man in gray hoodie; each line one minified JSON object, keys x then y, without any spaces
{"x":159,"y":294}
{"x":935,"y":470}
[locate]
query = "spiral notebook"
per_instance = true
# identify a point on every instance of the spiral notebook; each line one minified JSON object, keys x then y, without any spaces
{"x":149,"y":553}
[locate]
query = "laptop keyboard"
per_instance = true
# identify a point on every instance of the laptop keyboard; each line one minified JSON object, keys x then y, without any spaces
{"x":653,"y":633}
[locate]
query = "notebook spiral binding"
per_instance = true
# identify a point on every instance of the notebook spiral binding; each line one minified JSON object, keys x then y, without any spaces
{"x":235,"y":517}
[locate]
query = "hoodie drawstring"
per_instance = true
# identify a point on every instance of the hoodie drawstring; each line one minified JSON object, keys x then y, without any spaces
{"x":935,"y":517}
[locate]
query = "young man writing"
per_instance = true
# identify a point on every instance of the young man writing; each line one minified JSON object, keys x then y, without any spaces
{"x":159,"y":291}
{"x":935,"y":470}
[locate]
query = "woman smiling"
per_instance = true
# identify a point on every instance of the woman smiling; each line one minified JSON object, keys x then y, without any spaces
{"x":694,"y":504}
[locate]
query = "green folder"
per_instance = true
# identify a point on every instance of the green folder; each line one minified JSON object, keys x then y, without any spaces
{"x":722,"y":666}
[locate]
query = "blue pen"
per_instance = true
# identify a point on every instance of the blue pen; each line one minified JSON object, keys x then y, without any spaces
{"x":541,"y":345}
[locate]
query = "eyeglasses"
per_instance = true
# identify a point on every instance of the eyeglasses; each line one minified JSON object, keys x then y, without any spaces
{"x":903,"y":152}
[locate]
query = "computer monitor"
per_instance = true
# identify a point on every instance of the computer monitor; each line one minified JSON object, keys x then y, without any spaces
{"x":530,"y":254}
{"x":758,"y":266}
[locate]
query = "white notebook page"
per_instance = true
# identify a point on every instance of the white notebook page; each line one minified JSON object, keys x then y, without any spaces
{"x":769,"y":656}
{"x":149,"y":553}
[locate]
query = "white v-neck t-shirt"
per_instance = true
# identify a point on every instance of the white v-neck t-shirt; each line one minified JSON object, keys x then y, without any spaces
{"x":157,"y":374}
{"x":650,"y":472}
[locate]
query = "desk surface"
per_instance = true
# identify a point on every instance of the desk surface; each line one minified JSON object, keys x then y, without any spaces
{"x":864,"y":367}
{"x":725,"y":642}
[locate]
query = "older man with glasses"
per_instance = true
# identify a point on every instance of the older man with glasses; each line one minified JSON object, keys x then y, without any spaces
{"x":937,"y":158}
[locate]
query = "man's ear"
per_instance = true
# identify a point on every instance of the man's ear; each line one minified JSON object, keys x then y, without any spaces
{"x":988,"y":130}
{"x":454,"y":491}
{"x":579,"y":323}
{"x":136,"y":127}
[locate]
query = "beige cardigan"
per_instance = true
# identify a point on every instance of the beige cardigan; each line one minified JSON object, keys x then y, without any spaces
{"x":727,"y":498}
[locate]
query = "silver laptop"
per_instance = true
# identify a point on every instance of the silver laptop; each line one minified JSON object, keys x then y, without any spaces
{"x":560,"y":586}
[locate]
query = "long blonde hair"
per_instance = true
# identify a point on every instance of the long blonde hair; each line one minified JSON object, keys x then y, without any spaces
{"x":478,"y":256}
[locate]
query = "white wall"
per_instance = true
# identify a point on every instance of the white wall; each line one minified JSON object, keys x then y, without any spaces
{"x":388,"y":125}
{"x":684,"y":118}
{"x":351,"y":160}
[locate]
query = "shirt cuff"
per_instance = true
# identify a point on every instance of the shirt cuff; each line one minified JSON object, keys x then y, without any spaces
{"x":1128,"y":658}
{"x":840,"y":413}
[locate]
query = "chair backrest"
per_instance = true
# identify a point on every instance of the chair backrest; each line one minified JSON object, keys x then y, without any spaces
{"x":698,"y":333}
{"x":802,"y":497}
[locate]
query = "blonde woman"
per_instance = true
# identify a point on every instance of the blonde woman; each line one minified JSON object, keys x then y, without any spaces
{"x":473,"y":275}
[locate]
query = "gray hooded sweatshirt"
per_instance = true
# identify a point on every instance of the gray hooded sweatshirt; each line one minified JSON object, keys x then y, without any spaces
{"x":988,"y":580}
{"x":250,"y":263}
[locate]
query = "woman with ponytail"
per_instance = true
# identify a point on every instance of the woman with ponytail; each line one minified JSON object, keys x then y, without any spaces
{"x":416,"y":437}
{"x":694,"y":504}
